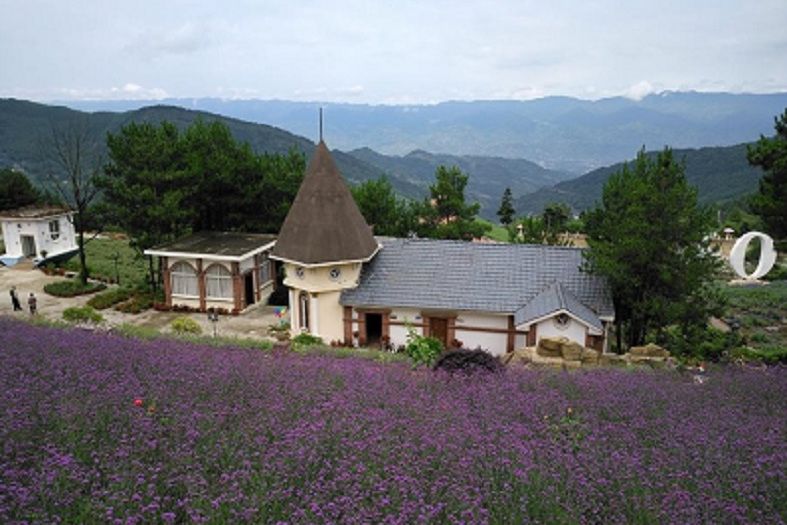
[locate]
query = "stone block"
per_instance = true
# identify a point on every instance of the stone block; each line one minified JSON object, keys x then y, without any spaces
{"x":649,"y":350}
{"x":571,"y":351}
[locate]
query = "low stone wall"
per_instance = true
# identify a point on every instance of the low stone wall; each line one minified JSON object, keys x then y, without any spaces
{"x":560,"y":352}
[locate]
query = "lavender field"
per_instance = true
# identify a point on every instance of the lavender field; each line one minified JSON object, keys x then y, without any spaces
{"x":100,"y":428}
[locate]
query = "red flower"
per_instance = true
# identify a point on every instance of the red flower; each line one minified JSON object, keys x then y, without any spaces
{"x":138,"y":402}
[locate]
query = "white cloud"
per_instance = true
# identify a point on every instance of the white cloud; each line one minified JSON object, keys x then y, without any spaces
{"x":639,"y":90}
{"x":128,"y":91}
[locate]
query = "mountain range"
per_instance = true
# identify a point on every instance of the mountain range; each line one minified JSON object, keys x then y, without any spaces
{"x":561,"y":133}
{"x":720,"y":173}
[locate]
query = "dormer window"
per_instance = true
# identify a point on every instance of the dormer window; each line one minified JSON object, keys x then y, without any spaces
{"x":54,"y":229}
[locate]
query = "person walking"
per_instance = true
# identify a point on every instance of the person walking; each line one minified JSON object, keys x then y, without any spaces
{"x":32,"y":302}
{"x":15,"y":300}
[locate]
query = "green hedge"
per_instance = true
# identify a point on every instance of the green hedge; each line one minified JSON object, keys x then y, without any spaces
{"x":82,"y":314}
{"x":109,"y":298}
{"x":72,"y":288}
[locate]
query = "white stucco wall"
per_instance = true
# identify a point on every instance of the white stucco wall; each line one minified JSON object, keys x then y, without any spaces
{"x":330,"y":316}
{"x":575,"y":331}
{"x":14,"y":229}
{"x":495,"y":343}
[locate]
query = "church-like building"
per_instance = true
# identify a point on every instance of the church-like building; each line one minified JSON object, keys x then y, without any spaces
{"x":348,"y":286}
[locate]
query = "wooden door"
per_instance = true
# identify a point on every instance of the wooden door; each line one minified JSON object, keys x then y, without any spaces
{"x":438,"y":328}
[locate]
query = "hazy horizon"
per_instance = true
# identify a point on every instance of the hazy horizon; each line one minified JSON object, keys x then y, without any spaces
{"x":403,"y":53}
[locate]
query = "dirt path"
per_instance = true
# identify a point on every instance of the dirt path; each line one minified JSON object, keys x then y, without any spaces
{"x":253,"y":323}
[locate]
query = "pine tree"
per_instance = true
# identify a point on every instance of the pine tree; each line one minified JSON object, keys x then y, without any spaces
{"x":649,"y":239}
{"x":771,"y":155}
{"x":506,"y":210}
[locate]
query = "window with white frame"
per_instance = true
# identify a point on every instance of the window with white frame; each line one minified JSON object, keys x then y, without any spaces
{"x":54,"y":229}
{"x":265,"y":268}
{"x":184,"y":280}
{"x":218,"y":282}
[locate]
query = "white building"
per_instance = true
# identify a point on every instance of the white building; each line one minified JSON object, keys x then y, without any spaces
{"x":37,"y":233}
{"x":228,"y":271}
{"x":348,"y":287}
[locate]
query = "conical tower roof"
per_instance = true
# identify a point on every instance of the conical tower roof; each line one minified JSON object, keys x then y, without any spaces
{"x":324,"y":224}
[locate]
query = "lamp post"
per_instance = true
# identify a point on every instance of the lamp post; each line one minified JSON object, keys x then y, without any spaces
{"x":213,"y":317}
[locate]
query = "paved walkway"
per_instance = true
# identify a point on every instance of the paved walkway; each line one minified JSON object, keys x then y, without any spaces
{"x":253,"y":323}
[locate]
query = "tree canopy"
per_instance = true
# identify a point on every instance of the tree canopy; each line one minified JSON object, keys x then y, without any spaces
{"x":446,"y":214}
{"x":16,"y":190}
{"x":648,"y":238}
{"x":386,"y":213}
{"x":770,"y":154}
{"x":161,"y":183}
{"x":506,"y":211}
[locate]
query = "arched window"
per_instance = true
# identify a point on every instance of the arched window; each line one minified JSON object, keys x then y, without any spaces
{"x":184,"y":280}
{"x":218,"y":282}
{"x":303,"y":311}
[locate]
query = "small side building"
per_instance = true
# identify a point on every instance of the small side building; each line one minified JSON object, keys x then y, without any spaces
{"x":222,"y":270}
{"x":37,"y":233}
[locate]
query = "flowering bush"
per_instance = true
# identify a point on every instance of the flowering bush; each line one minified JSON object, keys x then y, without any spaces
{"x":185,"y":325}
{"x":98,"y":428}
{"x":422,"y":350}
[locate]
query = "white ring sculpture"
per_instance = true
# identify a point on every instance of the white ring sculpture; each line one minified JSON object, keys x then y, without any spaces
{"x":767,"y":255}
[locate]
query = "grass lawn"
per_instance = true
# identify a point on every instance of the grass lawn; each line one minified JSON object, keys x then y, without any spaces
{"x":112,"y":429}
{"x":132,"y":269}
{"x":761,"y":312}
{"x":498,"y":232}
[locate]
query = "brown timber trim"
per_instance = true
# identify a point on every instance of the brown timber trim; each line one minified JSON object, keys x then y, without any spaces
{"x":531,"y":336}
{"x":386,"y":335}
{"x":461,"y":328}
{"x":361,"y":329}
{"x":167,"y":278}
{"x":511,"y":335}
{"x":451,"y":331}
{"x":348,"y":325}
{"x":201,"y":286}
{"x":236,"y":287}
{"x":256,"y":277}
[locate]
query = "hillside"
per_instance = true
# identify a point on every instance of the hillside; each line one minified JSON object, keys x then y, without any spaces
{"x":489,"y":176}
{"x":25,"y":126}
{"x":720,"y":174}
{"x":561,"y":133}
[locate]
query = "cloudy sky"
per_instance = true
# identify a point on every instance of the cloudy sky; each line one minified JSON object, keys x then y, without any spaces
{"x":388,"y":52}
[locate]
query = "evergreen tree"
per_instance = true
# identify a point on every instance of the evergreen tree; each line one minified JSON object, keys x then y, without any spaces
{"x":383,"y":211}
{"x":16,"y":190}
{"x":446,"y":215}
{"x":648,"y":238}
{"x":146,"y":185}
{"x":771,"y":155}
{"x":506,"y":210}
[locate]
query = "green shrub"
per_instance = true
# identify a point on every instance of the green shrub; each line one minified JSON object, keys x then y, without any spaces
{"x":72,"y":288}
{"x":82,"y":314}
{"x":700,"y":343}
{"x":770,"y":355}
{"x":136,"y":304}
{"x":305,"y":340}
{"x":109,"y":298}
{"x":422,"y":350}
{"x":186,"y":325}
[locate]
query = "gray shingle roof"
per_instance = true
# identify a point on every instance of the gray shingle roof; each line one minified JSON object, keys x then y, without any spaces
{"x":457,"y":275}
{"x":232,"y":244}
{"x":554,"y":299}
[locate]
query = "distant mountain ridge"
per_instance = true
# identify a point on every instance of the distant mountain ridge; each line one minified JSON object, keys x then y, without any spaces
{"x":488,"y":176}
{"x":561,"y":133}
{"x":24,"y":124}
{"x":719,"y":173}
